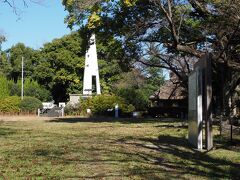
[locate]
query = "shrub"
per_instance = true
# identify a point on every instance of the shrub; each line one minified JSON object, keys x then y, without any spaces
{"x":30,"y":104}
{"x":137,"y":97}
{"x":10,"y":104}
{"x":101,"y":103}
{"x":73,"y":110}
{"x":4,"y":91}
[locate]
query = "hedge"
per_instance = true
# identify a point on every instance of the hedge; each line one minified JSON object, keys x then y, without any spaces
{"x":14,"y":104}
{"x":30,"y":104}
{"x":10,"y":104}
{"x":4,"y":90}
{"x":101,"y":103}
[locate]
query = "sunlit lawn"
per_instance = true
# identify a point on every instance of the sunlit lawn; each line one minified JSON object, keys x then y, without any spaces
{"x":84,"y":148}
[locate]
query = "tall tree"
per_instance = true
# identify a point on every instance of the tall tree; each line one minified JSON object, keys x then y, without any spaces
{"x":16,"y":53}
{"x":4,"y":90}
{"x":60,"y":66}
{"x":5,"y":66}
{"x":2,"y":39}
{"x":180,"y":31}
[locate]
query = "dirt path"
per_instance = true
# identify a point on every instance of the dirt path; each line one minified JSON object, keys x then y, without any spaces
{"x":23,"y":118}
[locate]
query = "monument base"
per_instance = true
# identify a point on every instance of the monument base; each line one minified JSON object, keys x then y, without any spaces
{"x":76,"y":98}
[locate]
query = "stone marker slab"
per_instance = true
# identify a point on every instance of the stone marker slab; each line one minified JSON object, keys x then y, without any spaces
{"x":195,"y":109}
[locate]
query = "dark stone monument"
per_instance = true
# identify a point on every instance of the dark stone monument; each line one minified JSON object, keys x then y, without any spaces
{"x":200,"y":103}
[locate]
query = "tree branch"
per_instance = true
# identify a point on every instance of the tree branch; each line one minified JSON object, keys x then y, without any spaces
{"x":200,"y":9}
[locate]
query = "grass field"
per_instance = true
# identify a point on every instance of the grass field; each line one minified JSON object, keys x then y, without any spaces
{"x":103,"y":149}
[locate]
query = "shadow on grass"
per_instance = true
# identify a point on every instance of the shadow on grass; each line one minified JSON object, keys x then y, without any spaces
{"x":6,"y":131}
{"x":173,"y":125}
{"x":226,"y":143}
{"x":112,"y":120}
{"x":191,"y":161}
{"x":48,"y":153}
{"x":167,"y":155}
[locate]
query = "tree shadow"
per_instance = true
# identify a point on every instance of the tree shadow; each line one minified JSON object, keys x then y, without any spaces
{"x":113,"y":120}
{"x":48,"y":153}
{"x":147,"y":151}
{"x":173,"y":125}
{"x":6,"y":131}
{"x":192,"y":161}
{"x":225,"y":143}
{"x":58,"y":157}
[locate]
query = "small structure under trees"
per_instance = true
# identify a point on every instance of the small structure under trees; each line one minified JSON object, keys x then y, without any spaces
{"x":170,"y":100}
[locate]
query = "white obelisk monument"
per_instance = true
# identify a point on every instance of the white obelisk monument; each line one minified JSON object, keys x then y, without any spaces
{"x":91,"y":71}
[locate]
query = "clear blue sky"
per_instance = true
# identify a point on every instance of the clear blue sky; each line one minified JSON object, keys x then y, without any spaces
{"x":37,"y":25}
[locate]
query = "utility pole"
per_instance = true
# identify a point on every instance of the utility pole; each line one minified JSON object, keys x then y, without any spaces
{"x":22,"y":80}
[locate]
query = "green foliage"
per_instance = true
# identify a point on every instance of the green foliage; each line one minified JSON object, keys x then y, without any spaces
{"x":136,"y":97}
{"x":154,"y":76}
{"x":10,"y":104}
{"x":60,"y":66}
{"x":101,"y":103}
{"x":109,"y":74}
{"x":13,"y":104}
{"x":30,"y":104}
{"x":94,"y":21}
{"x":186,"y":29}
{"x":16,"y":53}
{"x":2,"y":39}
{"x":136,"y":87}
{"x":4,"y":90}
{"x":14,"y":88}
{"x":132,"y":79}
{"x":5,"y":66}
{"x":31,"y":88}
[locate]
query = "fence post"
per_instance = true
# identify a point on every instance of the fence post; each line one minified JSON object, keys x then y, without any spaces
{"x":62,"y":111}
{"x":38,"y":112}
{"x":116,"y":111}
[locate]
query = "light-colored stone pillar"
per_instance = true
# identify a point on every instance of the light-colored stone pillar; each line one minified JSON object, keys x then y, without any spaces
{"x":195,"y":105}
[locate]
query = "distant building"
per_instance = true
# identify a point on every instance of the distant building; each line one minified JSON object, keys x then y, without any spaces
{"x":170,"y":100}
